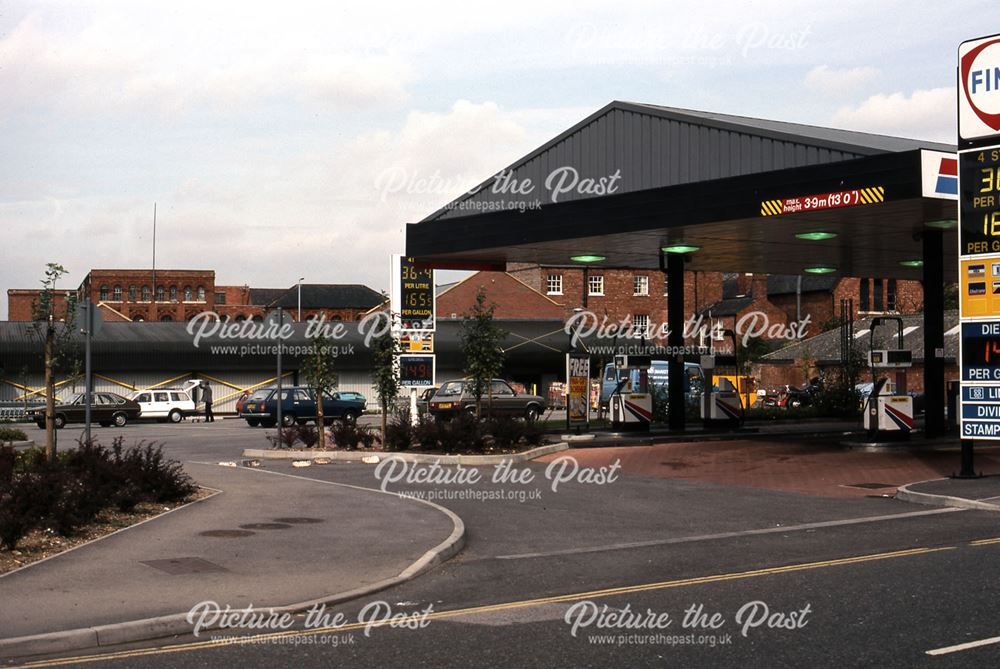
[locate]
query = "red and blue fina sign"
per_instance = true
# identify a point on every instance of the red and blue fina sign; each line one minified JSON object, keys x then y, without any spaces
{"x":939,"y":174}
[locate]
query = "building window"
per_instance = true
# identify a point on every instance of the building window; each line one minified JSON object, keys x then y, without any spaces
{"x":595,"y":284}
{"x":117,"y":293}
{"x":640,"y":285}
{"x":864,"y":303}
{"x":166,"y":319}
{"x":220,"y":298}
{"x":104,"y":294}
{"x":240,"y":318}
{"x":188,"y":294}
{"x":877,"y":295}
{"x":665,"y":285}
{"x":173,"y":293}
{"x":146,"y":294}
{"x":554,"y":284}
{"x":890,"y":295}
{"x":160,"y":294}
{"x":133,"y":291}
{"x":201,"y":293}
{"x":640,"y":325}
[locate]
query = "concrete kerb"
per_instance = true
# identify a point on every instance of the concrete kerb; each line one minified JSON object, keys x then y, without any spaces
{"x":177,"y":624}
{"x":413,"y":458}
{"x":905,"y":494}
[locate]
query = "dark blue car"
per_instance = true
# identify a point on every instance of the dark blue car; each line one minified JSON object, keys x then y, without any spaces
{"x":298,"y":405}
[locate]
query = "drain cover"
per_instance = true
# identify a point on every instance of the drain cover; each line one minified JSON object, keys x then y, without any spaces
{"x":265,"y":526}
{"x":185,"y":565}
{"x":226,"y":534}
{"x":297,"y":521}
{"x":870,"y":486}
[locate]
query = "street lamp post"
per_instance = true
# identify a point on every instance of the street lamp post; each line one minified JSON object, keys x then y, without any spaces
{"x":299,"y":317}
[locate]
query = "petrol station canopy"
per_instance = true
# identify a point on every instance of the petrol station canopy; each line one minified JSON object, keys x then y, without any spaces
{"x":750,"y":194}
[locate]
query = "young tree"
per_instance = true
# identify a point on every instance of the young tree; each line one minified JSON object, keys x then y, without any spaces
{"x":318,"y":371}
{"x":480,"y":341}
{"x":385,"y":348}
{"x":57,"y":331}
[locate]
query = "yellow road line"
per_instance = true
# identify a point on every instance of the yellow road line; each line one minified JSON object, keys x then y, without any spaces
{"x":607,"y":592}
{"x":985,"y":542}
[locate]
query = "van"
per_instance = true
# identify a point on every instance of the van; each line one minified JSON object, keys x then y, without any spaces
{"x":694,"y":380}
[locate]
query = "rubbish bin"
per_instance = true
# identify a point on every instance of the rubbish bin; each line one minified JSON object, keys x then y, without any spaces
{"x":954,"y":388}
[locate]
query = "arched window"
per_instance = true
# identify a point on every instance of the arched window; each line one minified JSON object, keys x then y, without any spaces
{"x":160,"y":293}
{"x":173,"y":293}
{"x":167,"y":318}
{"x":201,"y":293}
{"x":188,"y":294}
{"x":258,"y":319}
{"x":132,"y":292}
{"x":117,"y":293}
{"x":240,"y":318}
{"x":104,"y":293}
{"x":146,"y":294}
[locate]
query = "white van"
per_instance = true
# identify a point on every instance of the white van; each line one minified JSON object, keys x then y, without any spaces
{"x":166,"y":404}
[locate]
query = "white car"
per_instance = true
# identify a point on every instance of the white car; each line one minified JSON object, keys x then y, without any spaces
{"x":168,"y":404}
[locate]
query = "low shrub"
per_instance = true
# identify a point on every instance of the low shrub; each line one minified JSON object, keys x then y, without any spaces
{"x":308,"y":435}
{"x":399,"y":432}
{"x":350,"y":435}
{"x":8,"y":434}
{"x":7,"y":462}
{"x":462,"y":434}
{"x":427,"y":432}
{"x":285,"y":437}
{"x":24,"y":503}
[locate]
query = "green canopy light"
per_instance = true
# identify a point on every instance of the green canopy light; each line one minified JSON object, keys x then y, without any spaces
{"x":914,"y":262}
{"x":680,"y":248}
{"x":817,"y":236}
{"x":587,"y":258}
{"x":943,"y":224}
{"x":820,"y":270}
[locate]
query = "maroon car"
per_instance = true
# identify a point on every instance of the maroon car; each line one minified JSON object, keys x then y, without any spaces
{"x":106,"y":409}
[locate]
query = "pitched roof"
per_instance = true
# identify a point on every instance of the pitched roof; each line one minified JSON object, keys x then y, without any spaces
{"x":825,"y":347}
{"x":329,"y":296}
{"x":729,"y":307}
{"x":653,"y":146}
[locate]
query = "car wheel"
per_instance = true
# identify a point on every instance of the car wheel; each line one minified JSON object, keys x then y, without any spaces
{"x":253,"y":422}
{"x":60,"y":421}
{"x":351,"y":418}
{"x":120,"y":419}
{"x":40,"y":424}
{"x":287,"y":419}
{"x":531,"y":414}
{"x":175,"y":416}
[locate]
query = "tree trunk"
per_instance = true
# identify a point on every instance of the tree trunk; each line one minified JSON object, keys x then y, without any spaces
{"x":385,"y":409}
{"x":320,"y":427}
{"x":50,"y":397}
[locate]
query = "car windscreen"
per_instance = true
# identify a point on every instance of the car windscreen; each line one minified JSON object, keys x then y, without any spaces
{"x":450,"y":389}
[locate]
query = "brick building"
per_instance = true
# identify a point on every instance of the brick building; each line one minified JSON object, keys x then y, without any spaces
{"x":182,"y":294}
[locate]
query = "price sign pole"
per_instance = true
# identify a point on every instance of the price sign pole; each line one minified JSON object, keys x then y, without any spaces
{"x":413,"y":297}
{"x":979,"y":244}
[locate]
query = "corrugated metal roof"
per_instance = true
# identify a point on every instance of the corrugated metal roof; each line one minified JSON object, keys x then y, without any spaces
{"x":652,"y":146}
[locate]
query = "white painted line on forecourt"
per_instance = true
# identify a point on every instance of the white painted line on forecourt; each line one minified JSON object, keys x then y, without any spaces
{"x":964,"y":646}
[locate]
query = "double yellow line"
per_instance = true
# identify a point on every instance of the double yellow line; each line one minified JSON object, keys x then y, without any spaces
{"x":260,"y":639}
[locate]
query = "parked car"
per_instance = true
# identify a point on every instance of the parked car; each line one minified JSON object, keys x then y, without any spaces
{"x":164,"y":405}
{"x":349,"y":395}
{"x":423,"y":398}
{"x":106,"y":409}
{"x":455,"y":396}
{"x":298,"y":405}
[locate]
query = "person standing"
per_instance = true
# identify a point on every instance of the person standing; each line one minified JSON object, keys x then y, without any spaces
{"x":206,"y":397}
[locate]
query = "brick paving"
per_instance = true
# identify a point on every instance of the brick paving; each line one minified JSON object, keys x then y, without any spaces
{"x":813,"y":468}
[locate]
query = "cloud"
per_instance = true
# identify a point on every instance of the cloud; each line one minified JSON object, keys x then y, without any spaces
{"x":839,"y":81}
{"x":924,"y":114}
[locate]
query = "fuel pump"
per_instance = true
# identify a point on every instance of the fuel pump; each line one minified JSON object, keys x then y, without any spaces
{"x":887,"y":412}
{"x":722,"y":402}
{"x":631,"y":401}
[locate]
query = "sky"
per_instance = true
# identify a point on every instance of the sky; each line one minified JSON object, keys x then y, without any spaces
{"x":287,"y":140}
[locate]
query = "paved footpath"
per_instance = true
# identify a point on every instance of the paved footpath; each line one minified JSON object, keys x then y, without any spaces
{"x":301,"y":539}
